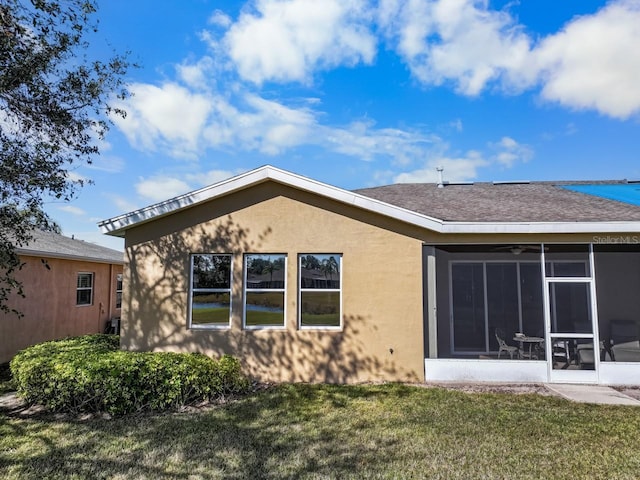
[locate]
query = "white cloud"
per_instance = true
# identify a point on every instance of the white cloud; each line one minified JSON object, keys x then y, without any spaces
{"x":508,"y":152}
{"x":170,"y":116}
{"x":248,"y":122}
{"x":220,"y":19}
{"x":589,"y":64}
{"x":258,"y":124}
{"x":286,"y":40}
{"x":461,"y":41}
{"x":362,"y":140}
{"x":72,"y":210}
{"x":592,"y":62}
{"x":160,"y":188}
{"x":107,"y":163}
{"x":505,"y":152}
{"x":197,"y":74}
{"x":456,"y":169}
{"x":122,"y":204}
{"x":211,"y":177}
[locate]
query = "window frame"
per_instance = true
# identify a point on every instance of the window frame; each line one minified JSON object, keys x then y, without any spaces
{"x":192,"y":290}
{"x":90,"y":288}
{"x":246,"y":290}
{"x":119,"y":279}
{"x":340,"y":259}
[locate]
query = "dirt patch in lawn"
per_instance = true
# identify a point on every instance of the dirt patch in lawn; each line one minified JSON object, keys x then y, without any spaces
{"x":479,"y":387}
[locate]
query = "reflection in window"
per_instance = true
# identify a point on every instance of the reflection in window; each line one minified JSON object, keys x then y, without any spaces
{"x":210,"y":290}
{"x":265,"y":283}
{"x":320,"y":298}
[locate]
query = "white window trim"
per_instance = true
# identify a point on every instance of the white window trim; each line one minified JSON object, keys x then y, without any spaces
{"x":93,"y":280}
{"x":319,"y":290}
{"x":264,"y":290}
{"x":209,"y":326}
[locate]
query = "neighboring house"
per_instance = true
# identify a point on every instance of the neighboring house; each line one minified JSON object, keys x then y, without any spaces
{"x":71,"y":288}
{"x":308,"y":282}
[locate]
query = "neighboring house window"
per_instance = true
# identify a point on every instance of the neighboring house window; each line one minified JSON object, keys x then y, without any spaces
{"x":264,"y":296}
{"x":84,"y":289}
{"x":210,"y":291}
{"x":320,"y":296}
{"x":119,"y":291}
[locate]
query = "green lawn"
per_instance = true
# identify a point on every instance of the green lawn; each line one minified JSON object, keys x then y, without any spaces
{"x":315,"y":431}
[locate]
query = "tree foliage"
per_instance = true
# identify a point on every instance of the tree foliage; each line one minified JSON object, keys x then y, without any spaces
{"x":55,"y":103}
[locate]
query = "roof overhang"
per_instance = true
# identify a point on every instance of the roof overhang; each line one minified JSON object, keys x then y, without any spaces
{"x":117,"y":226}
{"x":42,"y":253}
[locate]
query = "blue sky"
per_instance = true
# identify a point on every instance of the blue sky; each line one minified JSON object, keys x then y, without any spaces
{"x":359,"y":93}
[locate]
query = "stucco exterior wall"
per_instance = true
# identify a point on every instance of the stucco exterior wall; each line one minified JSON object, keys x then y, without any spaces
{"x":382,"y":334}
{"x":49,"y":308}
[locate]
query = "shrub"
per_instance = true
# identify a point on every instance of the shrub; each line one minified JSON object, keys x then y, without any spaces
{"x":90,"y":374}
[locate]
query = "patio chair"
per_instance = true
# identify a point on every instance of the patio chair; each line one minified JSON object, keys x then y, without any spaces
{"x":561,"y":352}
{"x":503,"y":346}
{"x":624,"y":341}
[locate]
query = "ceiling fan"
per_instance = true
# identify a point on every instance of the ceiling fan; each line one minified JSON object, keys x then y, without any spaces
{"x":518,"y":249}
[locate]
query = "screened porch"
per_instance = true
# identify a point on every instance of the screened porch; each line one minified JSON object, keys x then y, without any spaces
{"x":538,"y":308}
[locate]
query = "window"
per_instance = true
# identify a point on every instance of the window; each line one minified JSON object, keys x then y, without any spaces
{"x":265,"y":284}
{"x":119,"y":291}
{"x":84,"y":289}
{"x":320,"y":300}
{"x":210,"y":291}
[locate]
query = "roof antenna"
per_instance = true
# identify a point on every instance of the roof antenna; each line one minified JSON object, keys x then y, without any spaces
{"x":440,"y":182}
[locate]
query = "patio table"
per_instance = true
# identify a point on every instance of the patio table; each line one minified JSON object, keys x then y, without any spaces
{"x":530,"y":340}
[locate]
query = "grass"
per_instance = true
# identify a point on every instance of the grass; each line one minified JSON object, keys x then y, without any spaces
{"x":319,"y":431}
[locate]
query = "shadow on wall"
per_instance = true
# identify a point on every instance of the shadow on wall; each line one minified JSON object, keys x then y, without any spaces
{"x":156,"y":306}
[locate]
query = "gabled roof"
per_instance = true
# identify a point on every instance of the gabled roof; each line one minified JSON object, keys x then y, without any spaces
{"x":49,"y":244}
{"x":475,"y":208}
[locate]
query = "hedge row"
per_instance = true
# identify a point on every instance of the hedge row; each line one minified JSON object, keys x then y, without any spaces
{"x":91,"y":374}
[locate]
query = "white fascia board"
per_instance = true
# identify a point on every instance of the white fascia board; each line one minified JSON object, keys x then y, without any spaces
{"x":540,"y":227}
{"x":117,"y":225}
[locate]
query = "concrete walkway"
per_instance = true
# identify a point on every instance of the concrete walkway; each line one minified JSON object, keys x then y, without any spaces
{"x":592,"y":394}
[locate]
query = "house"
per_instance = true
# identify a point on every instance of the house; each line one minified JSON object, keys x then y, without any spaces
{"x":308,"y":282}
{"x":71,"y":288}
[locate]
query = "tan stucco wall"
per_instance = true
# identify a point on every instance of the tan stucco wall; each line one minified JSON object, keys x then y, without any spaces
{"x":49,"y":308}
{"x":382,"y":335}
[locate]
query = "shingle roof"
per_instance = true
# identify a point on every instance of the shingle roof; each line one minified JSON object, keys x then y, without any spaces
{"x":487,"y":202}
{"x":541,"y":207}
{"x":52,"y":244}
